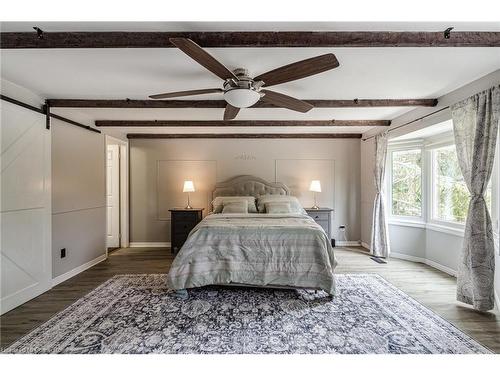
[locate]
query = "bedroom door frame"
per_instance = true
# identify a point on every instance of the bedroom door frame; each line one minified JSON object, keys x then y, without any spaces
{"x":124,"y":187}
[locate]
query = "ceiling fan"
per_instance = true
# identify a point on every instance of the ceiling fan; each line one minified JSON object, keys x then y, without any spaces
{"x":242,"y":91}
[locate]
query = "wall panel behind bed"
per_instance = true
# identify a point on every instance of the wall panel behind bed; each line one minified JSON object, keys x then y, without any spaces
{"x":171,"y":175}
{"x":158,"y":167}
{"x":298,"y":173}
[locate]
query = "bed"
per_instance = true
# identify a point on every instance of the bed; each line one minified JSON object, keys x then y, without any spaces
{"x":284,"y":250}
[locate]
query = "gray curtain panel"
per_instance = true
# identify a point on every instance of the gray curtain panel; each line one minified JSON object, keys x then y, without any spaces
{"x":475,"y":124}
{"x":380,"y":240}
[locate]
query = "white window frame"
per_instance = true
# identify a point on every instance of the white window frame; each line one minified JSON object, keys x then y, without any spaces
{"x":402,"y":219}
{"x":426,"y":220}
{"x":432,"y":184}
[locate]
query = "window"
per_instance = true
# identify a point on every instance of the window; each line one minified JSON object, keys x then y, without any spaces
{"x":450,"y":194}
{"x":406,"y":183}
{"x":425,"y":186}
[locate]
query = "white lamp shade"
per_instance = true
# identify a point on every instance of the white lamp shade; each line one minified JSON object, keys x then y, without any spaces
{"x":188,"y":187}
{"x":315,"y":186}
{"x":241,"y":98}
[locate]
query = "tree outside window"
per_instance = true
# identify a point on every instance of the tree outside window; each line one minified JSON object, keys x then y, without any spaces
{"x":451,"y":196}
{"x":406,"y":183}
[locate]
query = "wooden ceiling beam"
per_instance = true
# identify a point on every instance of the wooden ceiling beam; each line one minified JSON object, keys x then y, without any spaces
{"x":243,"y":136}
{"x":242,"y":123}
{"x":13,"y":40}
{"x":317,"y":103}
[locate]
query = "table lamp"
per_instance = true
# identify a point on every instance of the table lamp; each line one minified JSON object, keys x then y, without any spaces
{"x":315,"y":188}
{"x":188,"y":188}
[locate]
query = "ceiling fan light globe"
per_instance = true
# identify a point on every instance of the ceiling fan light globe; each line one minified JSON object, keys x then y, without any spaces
{"x":241,"y":98}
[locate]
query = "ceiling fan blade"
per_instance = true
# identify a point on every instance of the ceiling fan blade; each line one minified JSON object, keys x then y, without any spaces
{"x":299,"y":69}
{"x":230,"y":112}
{"x":202,"y":57}
{"x":285,"y":101}
{"x":184,"y":93}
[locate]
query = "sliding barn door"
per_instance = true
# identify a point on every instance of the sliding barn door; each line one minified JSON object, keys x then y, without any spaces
{"x":25,"y":210}
{"x":113,"y":195}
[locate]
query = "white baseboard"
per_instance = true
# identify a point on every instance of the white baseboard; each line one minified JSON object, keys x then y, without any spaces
{"x":411,"y":258}
{"x":428,"y":262}
{"x":149,"y":244}
{"x":366,"y":246}
{"x":445,"y":269}
{"x":347,"y":243}
{"x":75,"y":271}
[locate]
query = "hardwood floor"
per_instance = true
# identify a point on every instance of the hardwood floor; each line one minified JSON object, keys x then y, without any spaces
{"x":431,"y":287}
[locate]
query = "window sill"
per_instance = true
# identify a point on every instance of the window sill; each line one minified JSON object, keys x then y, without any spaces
{"x":407,"y":223}
{"x":430,"y":226}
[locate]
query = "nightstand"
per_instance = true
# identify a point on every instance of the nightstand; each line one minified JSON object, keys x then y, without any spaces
{"x":183,"y":220}
{"x":323,"y":216}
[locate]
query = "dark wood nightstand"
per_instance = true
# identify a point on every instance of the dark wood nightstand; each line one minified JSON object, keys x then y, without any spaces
{"x":181,"y":223}
{"x":323,"y":216}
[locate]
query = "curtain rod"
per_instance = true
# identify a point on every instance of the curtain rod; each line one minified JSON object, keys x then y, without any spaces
{"x":409,"y":122}
{"x":46,"y":110}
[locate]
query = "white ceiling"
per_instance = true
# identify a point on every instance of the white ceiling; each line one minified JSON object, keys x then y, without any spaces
{"x":137,"y":73}
{"x":249,"y":26}
{"x":365,"y":73}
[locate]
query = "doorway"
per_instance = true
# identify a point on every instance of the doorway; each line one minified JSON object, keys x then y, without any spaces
{"x":116,"y":193}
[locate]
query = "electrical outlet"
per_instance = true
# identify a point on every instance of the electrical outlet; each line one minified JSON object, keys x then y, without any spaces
{"x":63,"y":253}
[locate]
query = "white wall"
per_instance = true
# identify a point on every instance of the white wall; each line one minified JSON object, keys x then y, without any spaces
{"x":25,"y":200}
{"x":78,"y":199}
{"x":53,"y":197}
{"x":158,"y":167}
{"x":408,"y":241}
{"x":438,"y":249}
{"x":443,"y":249}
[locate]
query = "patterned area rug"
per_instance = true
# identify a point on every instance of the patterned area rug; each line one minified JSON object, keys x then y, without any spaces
{"x":136,"y":314}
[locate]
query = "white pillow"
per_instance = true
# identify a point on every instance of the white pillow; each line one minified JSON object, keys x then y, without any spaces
{"x":219,"y":202}
{"x":277,"y":207}
{"x":295,"y":206}
{"x":240,"y":207}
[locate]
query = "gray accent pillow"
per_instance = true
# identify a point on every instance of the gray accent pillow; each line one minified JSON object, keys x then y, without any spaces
{"x":240,"y":207}
{"x":277,"y":207}
{"x":295,"y":206}
{"x":219,"y":202}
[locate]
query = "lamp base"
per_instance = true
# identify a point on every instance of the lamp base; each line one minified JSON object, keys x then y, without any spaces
{"x":315,"y":207}
{"x":188,"y":207}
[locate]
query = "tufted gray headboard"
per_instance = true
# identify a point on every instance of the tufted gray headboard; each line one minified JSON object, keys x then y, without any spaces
{"x":248,"y":186}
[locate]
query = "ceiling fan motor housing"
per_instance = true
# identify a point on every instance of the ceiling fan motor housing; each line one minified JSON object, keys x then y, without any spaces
{"x":241,"y":72}
{"x":243,"y":92}
{"x":244,"y":81}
